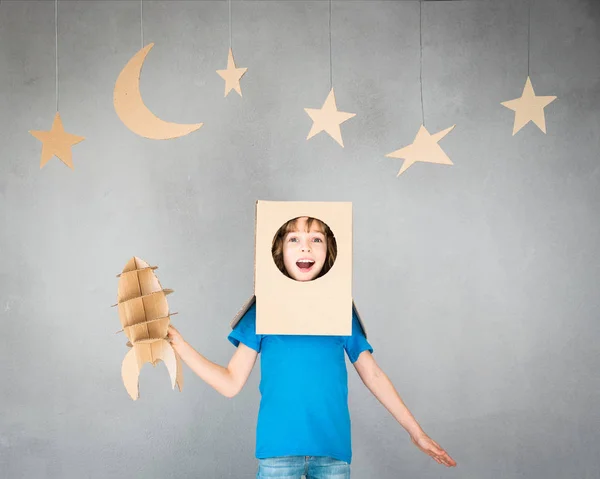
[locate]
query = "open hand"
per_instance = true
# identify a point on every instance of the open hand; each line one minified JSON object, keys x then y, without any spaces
{"x":433,"y":449}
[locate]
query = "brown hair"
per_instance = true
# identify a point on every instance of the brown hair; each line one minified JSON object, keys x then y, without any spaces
{"x":291,"y":225}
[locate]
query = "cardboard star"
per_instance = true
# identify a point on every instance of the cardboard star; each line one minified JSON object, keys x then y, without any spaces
{"x":425,"y":148}
{"x":529,"y":108}
{"x":56,"y":142}
{"x":232,"y":75}
{"x":328,"y":119}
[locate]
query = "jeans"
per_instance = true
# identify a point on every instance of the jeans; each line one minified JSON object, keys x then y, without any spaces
{"x":294,"y":467}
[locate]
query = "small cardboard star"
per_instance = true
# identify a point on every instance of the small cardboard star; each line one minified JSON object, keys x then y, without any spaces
{"x":529,"y":107}
{"x":232,"y":75}
{"x":328,"y":119}
{"x":56,"y":142}
{"x":425,"y":148}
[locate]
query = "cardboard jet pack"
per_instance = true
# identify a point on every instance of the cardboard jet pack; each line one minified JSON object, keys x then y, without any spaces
{"x":322,"y":306}
{"x":144,"y":314}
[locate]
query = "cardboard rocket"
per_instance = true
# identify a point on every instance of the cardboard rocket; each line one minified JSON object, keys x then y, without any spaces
{"x":322,"y":306}
{"x":144,"y":314}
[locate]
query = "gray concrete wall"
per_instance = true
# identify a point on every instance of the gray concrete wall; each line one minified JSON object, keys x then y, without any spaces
{"x":478,"y":283}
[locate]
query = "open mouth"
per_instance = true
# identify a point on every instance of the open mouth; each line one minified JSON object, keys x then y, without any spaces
{"x":305,"y":265}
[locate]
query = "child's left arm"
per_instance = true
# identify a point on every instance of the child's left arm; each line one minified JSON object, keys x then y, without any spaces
{"x":382,"y":388}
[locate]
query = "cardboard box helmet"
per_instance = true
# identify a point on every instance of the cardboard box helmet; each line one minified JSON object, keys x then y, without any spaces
{"x":322,"y":306}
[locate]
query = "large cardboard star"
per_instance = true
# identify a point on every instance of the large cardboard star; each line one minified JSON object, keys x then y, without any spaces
{"x":56,"y":142}
{"x":529,"y":107}
{"x":232,"y":75}
{"x":328,"y":119}
{"x":425,"y":148}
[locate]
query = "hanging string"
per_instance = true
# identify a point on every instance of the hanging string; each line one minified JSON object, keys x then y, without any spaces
{"x":330,"y":59}
{"x":142,"y":21}
{"x":230,"y":24}
{"x":421,"y":61}
{"x":56,"y":49}
{"x":528,"y":33}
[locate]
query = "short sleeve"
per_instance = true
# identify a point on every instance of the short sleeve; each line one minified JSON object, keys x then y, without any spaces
{"x":357,"y":343}
{"x":245,"y":331}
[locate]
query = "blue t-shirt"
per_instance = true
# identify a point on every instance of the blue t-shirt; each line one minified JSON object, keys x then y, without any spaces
{"x":304,"y":390}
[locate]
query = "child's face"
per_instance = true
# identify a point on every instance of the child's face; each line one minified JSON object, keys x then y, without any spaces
{"x":304,"y":252}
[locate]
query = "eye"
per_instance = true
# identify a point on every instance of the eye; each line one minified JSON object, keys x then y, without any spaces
{"x":317,"y":240}
{"x":293,"y":239}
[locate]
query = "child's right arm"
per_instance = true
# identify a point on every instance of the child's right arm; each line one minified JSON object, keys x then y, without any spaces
{"x":228,"y":381}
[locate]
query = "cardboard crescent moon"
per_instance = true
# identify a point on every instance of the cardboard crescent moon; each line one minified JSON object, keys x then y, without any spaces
{"x":131,"y":108}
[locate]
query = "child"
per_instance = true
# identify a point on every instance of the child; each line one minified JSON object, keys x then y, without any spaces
{"x":304,"y":422}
